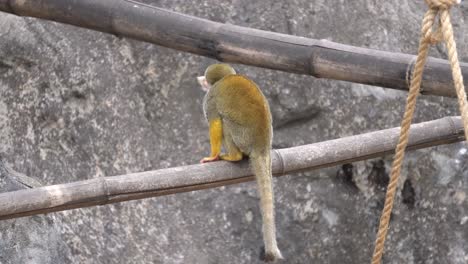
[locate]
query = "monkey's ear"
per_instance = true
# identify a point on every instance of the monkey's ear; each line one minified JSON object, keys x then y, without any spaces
{"x":204,"y":84}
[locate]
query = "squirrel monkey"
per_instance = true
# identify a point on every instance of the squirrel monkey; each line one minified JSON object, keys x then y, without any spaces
{"x":239,"y":118}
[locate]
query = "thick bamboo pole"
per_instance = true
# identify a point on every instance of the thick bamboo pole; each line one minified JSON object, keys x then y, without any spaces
{"x":133,"y":186}
{"x":229,"y":43}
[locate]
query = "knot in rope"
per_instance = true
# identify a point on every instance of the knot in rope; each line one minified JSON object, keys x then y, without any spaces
{"x":434,"y":36}
{"x":441,"y":4}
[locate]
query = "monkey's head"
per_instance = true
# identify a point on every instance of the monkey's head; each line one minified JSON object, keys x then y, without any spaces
{"x":214,"y":73}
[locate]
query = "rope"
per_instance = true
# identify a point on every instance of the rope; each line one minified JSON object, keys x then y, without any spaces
{"x":457,"y":76}
{"x":428,"y":37}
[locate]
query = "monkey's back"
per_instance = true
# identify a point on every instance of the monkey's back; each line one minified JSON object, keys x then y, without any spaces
{"x":244,"y":109}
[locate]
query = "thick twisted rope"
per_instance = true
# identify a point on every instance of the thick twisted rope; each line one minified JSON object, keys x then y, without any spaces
{"x":428,"y":37}
{"x":457,"y":76}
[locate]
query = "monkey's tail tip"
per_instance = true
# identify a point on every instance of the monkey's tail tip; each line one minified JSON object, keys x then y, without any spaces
{"x":270,"y":255}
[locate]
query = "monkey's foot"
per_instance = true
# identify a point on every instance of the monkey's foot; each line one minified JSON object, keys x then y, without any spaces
{"x":232,"y":157}
{"x":209,"y":159}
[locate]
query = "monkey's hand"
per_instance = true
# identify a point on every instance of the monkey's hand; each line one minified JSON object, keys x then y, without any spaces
{"x":210,"y":159}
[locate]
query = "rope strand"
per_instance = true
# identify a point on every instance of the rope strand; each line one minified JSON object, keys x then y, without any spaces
{"x":457,"y":76}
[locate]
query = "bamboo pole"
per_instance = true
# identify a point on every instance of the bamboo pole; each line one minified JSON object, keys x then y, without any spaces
{"x":106,"y":190}
{"x":230,"y":43}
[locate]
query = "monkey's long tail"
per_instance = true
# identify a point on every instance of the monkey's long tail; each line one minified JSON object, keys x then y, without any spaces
{"x":261,"y":164}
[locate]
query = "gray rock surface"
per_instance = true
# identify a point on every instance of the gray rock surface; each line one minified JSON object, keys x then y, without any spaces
{"x":77,"y":104}
{"x":28,"y":240}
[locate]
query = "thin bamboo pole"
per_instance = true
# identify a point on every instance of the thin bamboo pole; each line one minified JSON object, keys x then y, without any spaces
{"x":230,"y":43}
{"x":106,"y":190}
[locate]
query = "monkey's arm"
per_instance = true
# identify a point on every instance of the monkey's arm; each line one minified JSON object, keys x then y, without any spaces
{"x":216,"y":137}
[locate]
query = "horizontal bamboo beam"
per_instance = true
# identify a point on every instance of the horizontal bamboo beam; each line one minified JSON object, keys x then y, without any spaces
{"x":230,"y":43}
{"x":133,"y":186}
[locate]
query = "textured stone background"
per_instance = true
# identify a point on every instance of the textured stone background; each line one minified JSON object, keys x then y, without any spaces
{"x":77,"y":104}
